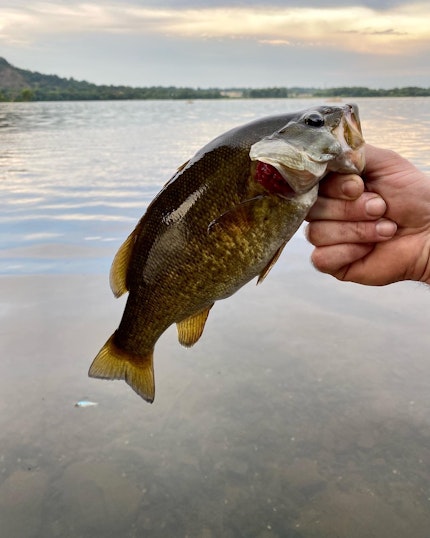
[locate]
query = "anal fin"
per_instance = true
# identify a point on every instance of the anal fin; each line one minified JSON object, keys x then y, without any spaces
{"x":113,"y":363}
{"x":190,"y":329}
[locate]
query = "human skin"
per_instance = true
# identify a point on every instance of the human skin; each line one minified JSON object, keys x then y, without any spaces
{"x":373,"y":230}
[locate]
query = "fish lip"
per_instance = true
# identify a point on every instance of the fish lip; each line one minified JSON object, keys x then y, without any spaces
{"x":350,"y":137}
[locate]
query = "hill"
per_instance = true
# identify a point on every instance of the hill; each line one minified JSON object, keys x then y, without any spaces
{"x":24,"y":85}
{"x":10,"y":78}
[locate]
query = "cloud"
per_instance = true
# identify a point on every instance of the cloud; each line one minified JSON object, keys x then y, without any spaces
{"x":185,"y":42}
{"x":397,"y":30}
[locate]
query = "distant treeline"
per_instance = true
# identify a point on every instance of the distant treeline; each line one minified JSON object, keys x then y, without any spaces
{"x":103,"y":93}
{"x":344,"y":91}
{"x":24,"y":85}
{"x":359,"y":91}
{"x":85,"y":91}
{"x":72,"y":90}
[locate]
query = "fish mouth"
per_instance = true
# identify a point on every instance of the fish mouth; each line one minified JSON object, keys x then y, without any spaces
{"x":302,"y":162}
{"x":350,"y":137}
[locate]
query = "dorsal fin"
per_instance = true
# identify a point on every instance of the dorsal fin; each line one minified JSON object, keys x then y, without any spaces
{"x":190,"y":329}
{"x":118,"y":270}
{"x":271,"y":263}
{"x":182,"y":166}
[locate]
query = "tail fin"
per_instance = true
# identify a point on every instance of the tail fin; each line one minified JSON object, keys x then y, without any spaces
{"x":113,"y":363}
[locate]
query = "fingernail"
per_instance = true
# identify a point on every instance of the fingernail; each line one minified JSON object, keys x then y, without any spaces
{"x":375,"y":207}
{"x":386,"y":228}
{"x":351,"y":189}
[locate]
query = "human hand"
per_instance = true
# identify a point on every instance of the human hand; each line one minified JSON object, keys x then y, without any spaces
{"x":375,"y":236}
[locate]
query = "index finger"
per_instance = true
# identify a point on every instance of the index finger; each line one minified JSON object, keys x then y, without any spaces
{"x":369,"y":206}
{"x":342,"y":186}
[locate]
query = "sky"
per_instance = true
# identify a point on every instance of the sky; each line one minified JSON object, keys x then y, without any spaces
{"x":374,"y":43}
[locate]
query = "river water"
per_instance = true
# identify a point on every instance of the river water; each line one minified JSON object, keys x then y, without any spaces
{"x":304,"y":410}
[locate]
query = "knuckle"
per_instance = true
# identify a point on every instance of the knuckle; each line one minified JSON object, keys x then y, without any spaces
{"x":361,"y":231}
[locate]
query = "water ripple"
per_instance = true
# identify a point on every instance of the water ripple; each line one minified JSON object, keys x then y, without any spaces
{"x":80,"y":172}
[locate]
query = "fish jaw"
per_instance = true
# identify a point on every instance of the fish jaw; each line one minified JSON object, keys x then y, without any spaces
{"x":304,"y":151}
{"x":351,"y":157}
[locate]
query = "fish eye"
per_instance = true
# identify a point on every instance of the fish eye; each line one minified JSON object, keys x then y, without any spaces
{"x":314,"y":120}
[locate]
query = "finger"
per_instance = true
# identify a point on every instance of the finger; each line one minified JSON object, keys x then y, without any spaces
{"x":336,"y":259}
{"x":369,"y":206}
{"x":323,"y":233}
{"x":343,"y":186}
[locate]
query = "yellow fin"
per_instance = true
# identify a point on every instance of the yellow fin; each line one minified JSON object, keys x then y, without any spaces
{"x":271,"y":263}
{"x":118,"y":271}
{"x":113,"y":363}
{"x":190,"y":329}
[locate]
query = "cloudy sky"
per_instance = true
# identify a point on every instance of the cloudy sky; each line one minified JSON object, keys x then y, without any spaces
{"x":375,"y":43}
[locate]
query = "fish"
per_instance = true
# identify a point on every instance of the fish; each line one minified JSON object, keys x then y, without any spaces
{"x":85,"y":403}
{"x":220,"y":221}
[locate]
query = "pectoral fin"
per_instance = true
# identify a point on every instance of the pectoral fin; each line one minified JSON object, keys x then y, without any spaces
{"x":113,"y":363}
{"x":118,"y":271}
{"x":269,"y":266}
{"x":190,"y":329}
{"x":241,"y":217}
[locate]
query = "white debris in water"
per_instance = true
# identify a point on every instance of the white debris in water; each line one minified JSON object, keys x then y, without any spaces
{"x":85,"y":403}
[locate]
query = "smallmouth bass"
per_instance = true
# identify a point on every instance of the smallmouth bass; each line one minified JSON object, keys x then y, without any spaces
{"x":220,"y":221}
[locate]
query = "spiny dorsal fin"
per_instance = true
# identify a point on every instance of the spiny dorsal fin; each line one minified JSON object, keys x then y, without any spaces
{"x":271,"y":263}
{"x":118,"y":270}
{"x":182,"y":166}
{"x":113,"y":363}
{"x":190,"y":329}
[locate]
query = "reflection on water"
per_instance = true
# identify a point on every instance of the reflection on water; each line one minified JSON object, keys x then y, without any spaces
{"x":304,"y":411}
{"x":76,"y":176}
